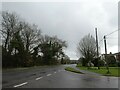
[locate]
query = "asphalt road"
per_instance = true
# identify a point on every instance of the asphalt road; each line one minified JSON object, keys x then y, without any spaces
{"x":55,"y":77}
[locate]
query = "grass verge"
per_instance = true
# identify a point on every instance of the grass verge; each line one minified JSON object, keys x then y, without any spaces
{"x":72,"y":70}
{"x":114,"y":71}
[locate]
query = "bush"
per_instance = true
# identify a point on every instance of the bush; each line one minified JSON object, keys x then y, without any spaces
{"x":101,"y":63}
{"x":113,"y":65}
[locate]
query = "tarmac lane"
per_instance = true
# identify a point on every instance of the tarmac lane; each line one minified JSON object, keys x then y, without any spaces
{"x":57,"y":77}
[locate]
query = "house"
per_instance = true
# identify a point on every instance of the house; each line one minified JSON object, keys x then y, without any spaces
{"x":115,"y":55}
{"x":73,"y":61}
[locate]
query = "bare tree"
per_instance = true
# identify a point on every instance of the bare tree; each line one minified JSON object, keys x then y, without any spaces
{"x":23,"y":42}
{"x":9,"y":27}
{"x":19,"y":39}
{"x":30,"y":35}
{"x":87,"y":47}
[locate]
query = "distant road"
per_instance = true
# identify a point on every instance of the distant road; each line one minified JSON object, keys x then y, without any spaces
{"x":55,"y":77}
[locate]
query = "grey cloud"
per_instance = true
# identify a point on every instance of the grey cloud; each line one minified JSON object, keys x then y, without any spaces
{"x":70,"y":21}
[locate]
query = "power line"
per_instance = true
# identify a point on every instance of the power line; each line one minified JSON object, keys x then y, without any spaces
{"x":112,"y":38}
{"x":107,"y":35}
{"x":101,"y":40}
{"x":112,"y":32}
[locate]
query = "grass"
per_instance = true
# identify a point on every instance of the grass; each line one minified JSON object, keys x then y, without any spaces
{"x":72,"y":70}
{"x":114,"y":71}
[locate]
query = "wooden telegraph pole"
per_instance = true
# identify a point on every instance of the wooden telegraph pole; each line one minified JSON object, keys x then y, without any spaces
{"x":106,"y":54}
{"x":97,"y":48}
{"x":105,"y":45}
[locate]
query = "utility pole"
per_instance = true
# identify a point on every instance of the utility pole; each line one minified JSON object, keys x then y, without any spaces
{"x":106,"y":54}
{"x":97,"y":47}
{"x":105,"y":45}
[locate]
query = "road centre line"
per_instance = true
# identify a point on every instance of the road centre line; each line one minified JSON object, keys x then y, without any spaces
{"x":60,"y":70}
{"x":38,"y":78}
{"x":20,"y":84}
{"x":35,"y":79}
{"x":49,"y":74}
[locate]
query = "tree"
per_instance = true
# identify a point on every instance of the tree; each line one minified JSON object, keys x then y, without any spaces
{"x":30,"y":35}
{"x":17,"y":49}
{"x":65,"y":60}
{"x":82,"y":61}
{"x":9,"y":27}
{"x":19,"y":39}
{"x":23,"y":44}
{"x":10,"y":23}
{"x":111,"y":60}
{"x":51,"y":47}
{"x":87,"y":48}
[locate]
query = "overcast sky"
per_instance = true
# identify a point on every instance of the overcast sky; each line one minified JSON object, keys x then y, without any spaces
{"x":71,"y":21}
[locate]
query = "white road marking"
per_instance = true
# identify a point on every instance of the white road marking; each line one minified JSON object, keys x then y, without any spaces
{"x":20,"y":84}
{"x":62,"y":70}
{"x":54,"y":72}
{"x":49,"y":74}
{"x":59,"y":70}
{"x":38,"y":78}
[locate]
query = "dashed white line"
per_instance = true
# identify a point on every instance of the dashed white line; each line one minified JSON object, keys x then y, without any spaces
{"x":20,"y":84}
{"x":49,"y":74}
{"x":62,"y":70}
{"x":54,"y":72}
{"x":38,"y":78}
{"x":59,"y":70}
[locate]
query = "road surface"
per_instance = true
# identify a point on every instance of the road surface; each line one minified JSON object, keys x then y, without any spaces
{"x":55,"y":77}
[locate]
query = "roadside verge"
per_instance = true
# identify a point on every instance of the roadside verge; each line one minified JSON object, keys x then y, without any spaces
{"x":73,"y":70}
